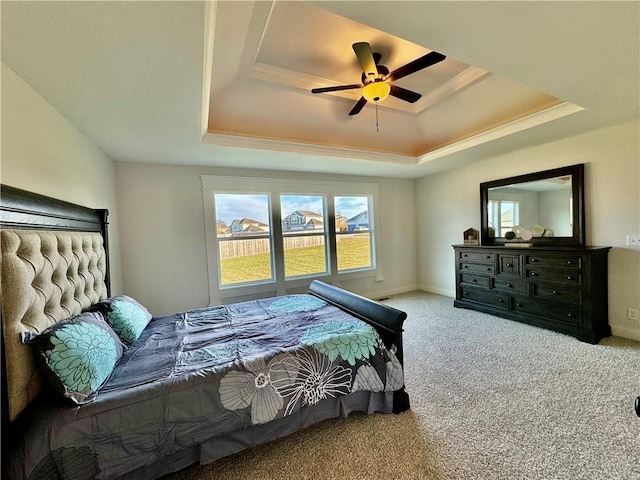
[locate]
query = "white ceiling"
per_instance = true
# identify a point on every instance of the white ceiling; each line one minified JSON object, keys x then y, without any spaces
{"x":194,"y":84}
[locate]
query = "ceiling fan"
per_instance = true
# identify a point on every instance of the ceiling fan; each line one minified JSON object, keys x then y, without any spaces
{"x":376,"y":80}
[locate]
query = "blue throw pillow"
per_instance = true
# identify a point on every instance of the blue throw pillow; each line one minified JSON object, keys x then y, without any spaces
{"x":78,"y":355}
{"x":126,"y":316}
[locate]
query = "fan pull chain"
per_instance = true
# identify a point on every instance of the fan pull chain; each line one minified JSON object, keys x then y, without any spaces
{"x":377,"y":129}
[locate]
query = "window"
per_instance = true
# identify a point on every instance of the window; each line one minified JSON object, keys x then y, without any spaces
{"x":244,"y":246}
{"x":503,"y":215}
{"x":303,"y":235}
{"x":264,"y":235}
{"x":353,"y":233}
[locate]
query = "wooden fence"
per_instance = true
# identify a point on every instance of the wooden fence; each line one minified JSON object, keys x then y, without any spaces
{"x":255,"y":246}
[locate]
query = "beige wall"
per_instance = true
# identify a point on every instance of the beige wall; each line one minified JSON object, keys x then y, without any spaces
{"x":612,"y":196}
{"x":44,"y":153}
{"x":159,"y":208}
{"x":163,"y":236}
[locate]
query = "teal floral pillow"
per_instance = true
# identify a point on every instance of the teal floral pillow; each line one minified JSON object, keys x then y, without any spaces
{"x":126,"y":316}
{"x":78,"y":355}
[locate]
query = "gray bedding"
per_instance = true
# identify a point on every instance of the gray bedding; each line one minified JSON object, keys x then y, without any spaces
{"x":202,"y":384}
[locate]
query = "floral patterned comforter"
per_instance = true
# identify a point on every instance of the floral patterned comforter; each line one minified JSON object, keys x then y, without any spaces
{"x":203,"y":373}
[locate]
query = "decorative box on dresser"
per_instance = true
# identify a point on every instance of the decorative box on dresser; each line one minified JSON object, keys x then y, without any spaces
{"x":559,"y":288}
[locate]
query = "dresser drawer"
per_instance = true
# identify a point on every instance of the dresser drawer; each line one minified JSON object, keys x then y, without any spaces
{"x":566,"y":314}
{"x":513,"y":286}
{"x":569,"y":261}
{"x":479,"y":268}
{"x":476,"y":257}
{"x":572,"y":277}
{"x":486,"y":297}
{"x":472,"y":279}
{"x":558,"y":292}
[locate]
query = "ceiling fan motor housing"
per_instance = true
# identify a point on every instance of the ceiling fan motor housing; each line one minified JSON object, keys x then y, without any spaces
{"x":381,"y":76}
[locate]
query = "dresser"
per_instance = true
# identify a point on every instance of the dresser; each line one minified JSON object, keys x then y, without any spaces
{"x":559,"y":288}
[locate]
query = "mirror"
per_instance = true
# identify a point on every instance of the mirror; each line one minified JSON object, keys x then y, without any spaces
{"x":542,"y":208}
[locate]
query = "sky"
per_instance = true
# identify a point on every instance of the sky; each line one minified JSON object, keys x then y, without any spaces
{"x":230,"y":207}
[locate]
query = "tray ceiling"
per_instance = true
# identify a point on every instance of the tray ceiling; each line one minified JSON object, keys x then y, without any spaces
{"x":268,"y":56}
{"x":227,"y":84}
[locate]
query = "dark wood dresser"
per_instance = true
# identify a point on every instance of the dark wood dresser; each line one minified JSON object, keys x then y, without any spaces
{"x":559,"y":288}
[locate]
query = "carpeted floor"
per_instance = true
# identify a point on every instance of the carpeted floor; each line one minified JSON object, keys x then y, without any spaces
{"x":490,"y":399}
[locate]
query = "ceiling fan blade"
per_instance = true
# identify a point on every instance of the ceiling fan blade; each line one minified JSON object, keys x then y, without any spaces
{"x":418,"y":64}
{"x":365,"y":57}
{"x":335,"y":89}
{"x":358,"y":106}
{"x":404,"y":94}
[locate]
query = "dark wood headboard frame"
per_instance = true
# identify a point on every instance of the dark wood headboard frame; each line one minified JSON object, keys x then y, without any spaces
{"x":28,"y":210}
{"x":20,"y":209}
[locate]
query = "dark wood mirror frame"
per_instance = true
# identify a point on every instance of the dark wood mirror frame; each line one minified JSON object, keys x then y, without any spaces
{"x":577,"y":193}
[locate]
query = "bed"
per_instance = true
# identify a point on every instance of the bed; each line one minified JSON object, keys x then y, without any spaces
{"x":185,"y":388}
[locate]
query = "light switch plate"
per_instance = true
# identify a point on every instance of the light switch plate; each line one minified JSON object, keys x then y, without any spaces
{"x":633,"y":240}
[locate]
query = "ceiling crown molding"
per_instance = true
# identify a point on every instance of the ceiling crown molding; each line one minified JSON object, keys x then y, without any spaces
{"x":535,"y":119}
{"x":524,"y":123}
{"x":226,"y":140}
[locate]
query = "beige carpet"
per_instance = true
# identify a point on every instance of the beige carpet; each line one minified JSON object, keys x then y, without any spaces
{"x":491,"y":399}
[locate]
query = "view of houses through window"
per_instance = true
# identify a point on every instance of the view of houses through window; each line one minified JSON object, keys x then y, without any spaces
{"x":244,"y":238}
{"x":353,"y":233}
{"x":303,"y":231}
{"x":246,"y":242}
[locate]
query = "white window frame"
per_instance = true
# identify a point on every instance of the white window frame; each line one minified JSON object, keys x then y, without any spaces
{"x":371,"y":231}
{"x":212,"y":184}
{"x":303,"y":232}
{"x":257,"y":236}
{"x":497,"y":214}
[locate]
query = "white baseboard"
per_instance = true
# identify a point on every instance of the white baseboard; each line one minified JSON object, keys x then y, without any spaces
{"x":393,"y":291}
{"x":439,"y":291}
{"x":626,"y":332}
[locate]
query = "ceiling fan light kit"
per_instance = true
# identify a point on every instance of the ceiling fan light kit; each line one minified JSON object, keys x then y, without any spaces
{"x":376,"y":80}
{"x":376,"y":91}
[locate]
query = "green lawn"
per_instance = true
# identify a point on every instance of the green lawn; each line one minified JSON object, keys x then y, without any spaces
{"x":304,"y":261}
{"x":353,"y":252}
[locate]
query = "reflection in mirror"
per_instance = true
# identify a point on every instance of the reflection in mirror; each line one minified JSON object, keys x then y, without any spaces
{"x":543,"y":207}
{"x":540,"y":208}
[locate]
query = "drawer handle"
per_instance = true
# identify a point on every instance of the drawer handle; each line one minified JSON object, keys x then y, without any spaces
{"x":466,"y":266}
{"x":569,"y":262}
{"x":500,"y":300}
{"x":488,"y":269}
{"x":570,"y":315}
{"x":569,"y":277}
{"x":488,"y":257}
{"x":474,"y":280}
{"x":555,"y":292}
{"x":509,"y":264}
{"x":465,"y":255}
{"x":518,"y":304}
{"x":533,"y":274}
{"x":465,"y":293}
{"x":509,"y":285}
{"x":534,"y":260}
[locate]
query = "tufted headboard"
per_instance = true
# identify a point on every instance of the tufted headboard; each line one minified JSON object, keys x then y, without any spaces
{"x":54,"y":262}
